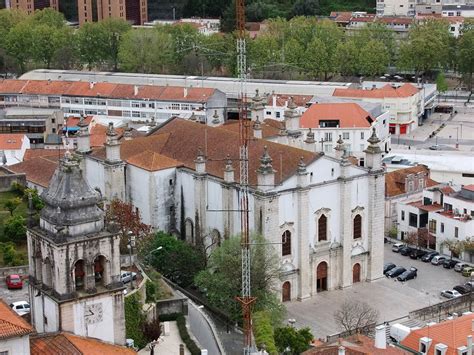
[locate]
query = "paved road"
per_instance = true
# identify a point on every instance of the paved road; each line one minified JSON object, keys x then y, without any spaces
{"x":391,"y":298}
{"x":201,"y":329}
{"x":10,"y":296}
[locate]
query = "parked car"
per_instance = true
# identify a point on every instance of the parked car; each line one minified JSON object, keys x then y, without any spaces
{"x":398,"y":270}
{"x":467,"y":271}
{"x":428,"y":256}
{"x":462,"y":289}
{"x":460,"y":266}
{"x":450,"y":293}
{"x":438,"y":259}
{"x":408,"y":275}
{"x":387,"y":267}
{"x":406,"y":250}
{"x":14,"y":281}
{"x":417,"y":253}
{"x":397,"y":246}
{"x":127,"y":276}
{"x":20,"y":307}
{"x":449,"y":263}
{"x":470,"y":284}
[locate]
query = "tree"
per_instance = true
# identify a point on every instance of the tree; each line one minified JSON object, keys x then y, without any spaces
{"x":114,"y":30}
{"x":289,"y":340}
{"x":15,"y":229}
{"x":12,"y":204}
{"x":455,"y":247}
{"x":11,"y":257}
{"x":441,"y":84}
{"x":91,"y":41}
{"x":465,"y":57}
{"x":347,"y":57}
{"x":48,"y":17}
{"x":412,"y":239}
{"x":19,"y":43}
{"x":47,"y":41}
{"x":146,"y":51}
{"x":127,"y":218}
{"x":355,"y":316}
{"x":176,"y":260}
{"x":305,"y":8}
{"x":373,"y":58}
{"x":222,"y":280}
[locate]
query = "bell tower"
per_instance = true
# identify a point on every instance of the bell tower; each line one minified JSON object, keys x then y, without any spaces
{"x":74,"y":262}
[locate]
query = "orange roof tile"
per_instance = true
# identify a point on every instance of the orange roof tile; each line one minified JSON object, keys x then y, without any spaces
{"x":406,"y":90}
{"x":452,"y":333}
{"x":269,"y":129}
{"x":282,"y":100}
{"x":12,"y":86}
{"x":152,"y":161}
{"x":182,"y":94}
{"x":73,"y":121}
{"x":35,"y":153}
{"x":11,"y":324}
{"x":11,"y":141}
{"x":66,"y":343}
{"x":98,"y":135}
{"x":349,"y":115}
{"x":428,"y":208}
{"x":46,"y":87}
{"x":396,"y":20}
{"x":469,"y":187}
{"x":395,"y":180}
{"x":38,"y":170}
{"x":80,"y":88}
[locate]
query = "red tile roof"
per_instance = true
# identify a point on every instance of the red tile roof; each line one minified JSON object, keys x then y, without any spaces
{"x":355,"y":345}
{"x":469,"y":187}
{"x":102,"y":89}
{"x":406,"y":90}
{"x":282,"y":100}
{"x":452,"y":333}
{"x":73,"y":121}
{"x":428,"y":208}
{"x":396,"y":20}
{"x":11,"y":141}
{"x":349,"y":115}
{"x":167,"y":140}
{"x":269,"y":128}
{"x":66,"y":343}
{"x":11,"y":324}
{"x":38,"y":170}
{"x":152,"y":161}
{"x":98,"y":135}
{"x":395,"y":180}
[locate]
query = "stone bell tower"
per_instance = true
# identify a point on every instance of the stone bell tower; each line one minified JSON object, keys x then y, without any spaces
{"x":74,"y":262}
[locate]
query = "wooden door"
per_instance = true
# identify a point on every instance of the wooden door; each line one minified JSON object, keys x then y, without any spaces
{"x":286,"y":292}
{"x":322,"y":277}
{"x":356,"y":273}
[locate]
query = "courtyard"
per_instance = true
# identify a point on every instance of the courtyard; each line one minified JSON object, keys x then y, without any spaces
{"x":391,"y":298}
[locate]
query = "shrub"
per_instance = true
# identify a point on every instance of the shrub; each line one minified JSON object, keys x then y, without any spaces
{"x":150,"y":291}
{"x":134,"y":320}
{"x":263,"y":332}
{"x":17,"y":188}
{"x":11,"y":257}
{"x":15,"y":229}
{"x":183,"y":332}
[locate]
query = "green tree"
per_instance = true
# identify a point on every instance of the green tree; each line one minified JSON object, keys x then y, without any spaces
{"x":441,"y":84}
{"x":48,"y":17}
{"x":47,"y":41}
{"x":176,"y":260}
{"x":146,"y":51}
{"x":11,"y":257}
{"x":465,"y":54}
{"x":347,"y":57}
{"x":15,"y":229}
{"x":8,"y":20}
{"x":114,"y":30}
{"x":12,"y":204}
{"x":373,"y":58}
{"x":427,"y":48}
{"x":378,"y":32}
{"x":222,"y":280}
{"x":305,"y":8}
{"x":91,"y":41}
{"x":19,"y":43}
{"x":290,"y":340}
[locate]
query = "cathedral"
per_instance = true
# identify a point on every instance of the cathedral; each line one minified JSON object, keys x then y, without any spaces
{"x":323,"y":214}
{"x":74,"y":261}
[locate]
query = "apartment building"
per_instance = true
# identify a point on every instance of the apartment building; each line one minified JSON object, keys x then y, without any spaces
{"x":32,"y":5}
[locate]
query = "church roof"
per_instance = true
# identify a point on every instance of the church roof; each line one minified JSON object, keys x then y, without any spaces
{"x":11,"y":324}
{"x":68,"y":199}
{"x":180,"y":140}
{"x":66,"y":343}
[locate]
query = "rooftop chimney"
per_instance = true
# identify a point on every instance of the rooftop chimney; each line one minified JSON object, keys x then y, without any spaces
{"x":135,"y":90}
{"x":341,"y":350}
{"x":380,"y":337}
{"x":91,"y":85}
{"x":185,"y":92}
{"x":469,"y":345}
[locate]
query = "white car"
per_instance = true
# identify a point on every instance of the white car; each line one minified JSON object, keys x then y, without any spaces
{"x":397,"y":246}
{"x":20,"y":307}
{"x":450,"y":294}
{"x":438,"y":260}
{"x":127,"y":276}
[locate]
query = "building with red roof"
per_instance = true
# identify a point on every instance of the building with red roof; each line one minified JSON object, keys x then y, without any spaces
{"x":15,"y":332}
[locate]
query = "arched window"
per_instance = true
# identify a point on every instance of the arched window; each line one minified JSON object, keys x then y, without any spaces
{"x":322,"y":228}
{"x":322,"y":277}
{"x":47,"y":273}
{"x":286,"y":291}
{"x":356,"y":273}
{"x":357,"y":228}
{"x":79,"y":274}
{"x":100,"y":264}
{"x":189,"y":231}
{"x":286,"y":243}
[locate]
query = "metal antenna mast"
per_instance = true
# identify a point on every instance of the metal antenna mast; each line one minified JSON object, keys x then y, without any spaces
{"x":245,"y":299}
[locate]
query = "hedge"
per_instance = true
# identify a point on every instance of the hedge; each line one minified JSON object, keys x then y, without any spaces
{"x":134,"y":320}
{"x":263,"y":332}
{"x":183,"y":332}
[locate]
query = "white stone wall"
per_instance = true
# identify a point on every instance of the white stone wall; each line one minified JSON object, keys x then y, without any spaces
{"x":16,"y":346}
{"x":94,"y":174}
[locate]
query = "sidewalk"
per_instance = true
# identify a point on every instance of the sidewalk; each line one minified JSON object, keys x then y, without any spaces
{"x":168,"y":344}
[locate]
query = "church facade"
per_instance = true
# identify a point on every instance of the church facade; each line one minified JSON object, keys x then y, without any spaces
{"x":324,"y":214}
{"x":74,"y":262}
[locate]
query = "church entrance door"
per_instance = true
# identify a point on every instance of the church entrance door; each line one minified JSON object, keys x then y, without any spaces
{"x":322,"y":277}
{"x":356,"y":273}
{"x":286,"y":292}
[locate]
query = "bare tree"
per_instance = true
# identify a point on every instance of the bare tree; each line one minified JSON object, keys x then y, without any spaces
{"x":454,"y":246}
{"x":355,"y":316}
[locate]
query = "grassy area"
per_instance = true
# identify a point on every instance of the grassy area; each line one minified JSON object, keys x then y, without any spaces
{"x":162,"y":289}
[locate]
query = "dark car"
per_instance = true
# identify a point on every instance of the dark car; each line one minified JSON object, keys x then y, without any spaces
{"x":408,"y":275}
{"x":428,"y":256}
{"x":396,"y":271}
{"x":416,"y":254}
{"x":462,"y":289}
{"x":406,"y":250}
{"x":449,"y":263}
{"x":387,"y":267}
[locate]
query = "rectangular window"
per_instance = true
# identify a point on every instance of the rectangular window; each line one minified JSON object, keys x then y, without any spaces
{"x":413,"y":220}
{"x":442,"y":227}
{"x":403,"y":215}
{"x":328,"y":136}
{"x":361,"y":135}
{"x":448,"y":207}
{"x":421,"y":183}
{"x":277,"y":114}
{"x":175,"y":106}
{"x":456,"y":232}
{"x":432,"y":226}
{"x":345,"y":135}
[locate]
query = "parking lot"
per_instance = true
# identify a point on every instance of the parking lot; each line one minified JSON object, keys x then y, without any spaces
{"x":9,"y":296}
{"x":391,"y":298}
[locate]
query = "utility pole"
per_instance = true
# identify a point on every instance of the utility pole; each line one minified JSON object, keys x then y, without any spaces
{"x":245,"y":299}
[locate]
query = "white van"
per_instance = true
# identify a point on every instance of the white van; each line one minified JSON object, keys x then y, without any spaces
{"x":397,"y":246}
